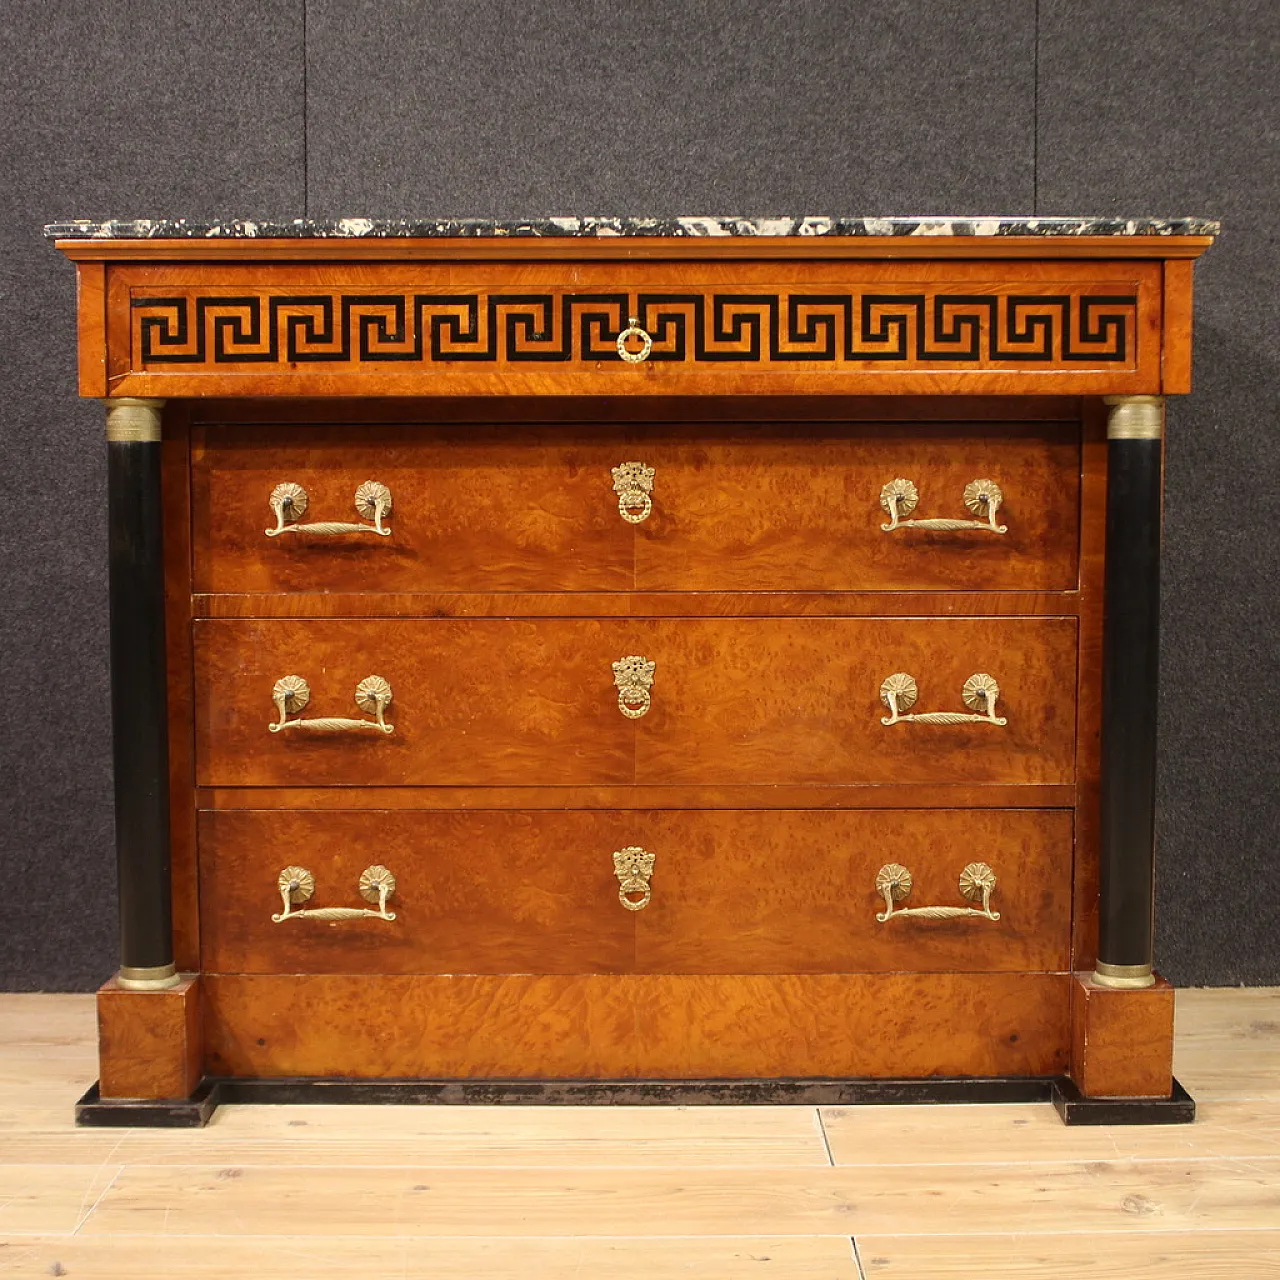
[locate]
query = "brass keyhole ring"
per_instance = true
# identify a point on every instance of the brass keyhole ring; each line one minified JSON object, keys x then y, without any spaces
{"x":633,"y":330}
{"x":635,"y":498}
{"x":633,"y":693}
{"x":634,"y":886}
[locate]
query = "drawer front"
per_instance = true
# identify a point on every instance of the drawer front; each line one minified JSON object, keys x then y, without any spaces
{"x":726,"y":892}
{"x":491,"y":702}
{"x":799,"y":508}
{"x":473,"y":508}
{"x":719,"y":507}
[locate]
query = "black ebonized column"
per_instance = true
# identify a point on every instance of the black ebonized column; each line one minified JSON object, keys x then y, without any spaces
{"x":1130,"y":674}
{"x":139,"y":704}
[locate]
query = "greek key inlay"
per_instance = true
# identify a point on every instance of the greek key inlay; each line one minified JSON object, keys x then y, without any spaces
{"x":927,"y":328}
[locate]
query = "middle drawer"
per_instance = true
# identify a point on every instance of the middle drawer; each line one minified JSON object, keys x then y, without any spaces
{"x":728,"y":891}
{"x":550,"y":702}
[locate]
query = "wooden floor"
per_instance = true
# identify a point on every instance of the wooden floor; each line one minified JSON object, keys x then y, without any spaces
{"x":907,"y":1193}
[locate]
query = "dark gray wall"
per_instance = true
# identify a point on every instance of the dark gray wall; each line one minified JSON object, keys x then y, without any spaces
{"x":280,"y":107}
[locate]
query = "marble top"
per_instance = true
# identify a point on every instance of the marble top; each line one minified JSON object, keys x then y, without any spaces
{"x":811,"y":225}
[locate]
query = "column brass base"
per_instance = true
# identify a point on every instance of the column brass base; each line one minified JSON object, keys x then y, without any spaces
{"x":157,"y":978}
{"x":1130,"y":976}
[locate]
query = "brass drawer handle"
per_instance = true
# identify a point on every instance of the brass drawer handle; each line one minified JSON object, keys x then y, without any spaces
{"x":633,"y":330}
{"x":983,"y":497}
{"x":634,"y":867}
{"x":289,"y":502}
{"x":977,"y":884}
{"x":900,"y":691}
{"x":633,"y":483}
{"x":634,"y":677}
{"x":297,"y":884}
{"x":292,"y":693}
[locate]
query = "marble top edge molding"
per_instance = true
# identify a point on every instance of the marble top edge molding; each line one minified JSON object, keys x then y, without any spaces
{"x":601,"y":227}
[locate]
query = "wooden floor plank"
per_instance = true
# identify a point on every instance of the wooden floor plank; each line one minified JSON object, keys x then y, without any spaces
{"x":1033,"y":1133}
{"x":495,"y":1137}
{"x":305,"y":1258}
{"x":48,"y":1022}
{"x":49,"y":1199}
{"x":1122,"y":1196}
{"x":1207,"y":1255}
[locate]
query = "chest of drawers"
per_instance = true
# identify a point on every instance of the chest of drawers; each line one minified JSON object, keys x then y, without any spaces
{"x":621,"y":663}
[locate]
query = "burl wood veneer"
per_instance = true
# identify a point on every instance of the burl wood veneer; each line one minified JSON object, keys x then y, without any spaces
{"x":387,"y":512}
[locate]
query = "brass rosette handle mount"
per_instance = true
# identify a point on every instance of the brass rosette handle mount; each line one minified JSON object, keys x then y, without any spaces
{"x":983,"y":497}
{"x":633,"y":676}
{"x":633,"y":483}
{"x":980,"y":692}
{"x":289,"y":502}
{"x":634,"y":868}
{"x":292,"y":693}
{"x":297,"y":885}
{"x":977,"y":884}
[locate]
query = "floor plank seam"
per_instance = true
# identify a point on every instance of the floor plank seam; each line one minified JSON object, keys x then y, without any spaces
{"x":857,"y":1258}
{"x":826,"y":1141}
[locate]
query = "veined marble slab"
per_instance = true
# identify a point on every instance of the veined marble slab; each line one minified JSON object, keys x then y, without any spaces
{"x":812,"y":225}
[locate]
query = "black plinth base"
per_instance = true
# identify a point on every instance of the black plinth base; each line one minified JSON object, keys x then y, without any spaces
{"x":194,"y":1112}
{"x":1074,"y":1108}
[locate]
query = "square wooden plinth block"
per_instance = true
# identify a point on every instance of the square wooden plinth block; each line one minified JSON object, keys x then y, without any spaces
{"x":1122,"y":1040}
{"x":149,"y":1042}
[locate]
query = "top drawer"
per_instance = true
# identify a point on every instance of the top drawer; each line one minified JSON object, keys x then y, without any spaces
{"x":430,"y":507}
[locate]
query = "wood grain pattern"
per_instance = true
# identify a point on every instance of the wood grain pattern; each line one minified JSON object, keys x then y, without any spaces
{"x":1143,"y":1198}
{"x":175,"y":486}
{"x":1122,"y":1041}
{"x":737,"y":507}
{"x":357,"y":412}
{"x":1203,"y":1253}
{"x":652,"y":1027}
{"x":797,"y":700}
{"x":149,"y":1043}
{"x":854,"y":796}
{"x":482,"y":702}
{"x":733,"y":892}
{"x":1090,"y":602}
{"x":798,"y":509}
{"x":302,"y":1257}
{"x":475,"y":892}
{"x":1177,"y":325}
{"x":91,"y":337}
{"x":641,"y":604}
{"x":476,"y":509}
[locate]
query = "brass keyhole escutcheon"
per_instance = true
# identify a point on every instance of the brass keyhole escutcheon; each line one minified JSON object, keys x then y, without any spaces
{"x":633,"y":483}
{"x":634,"y":867}
{"x":633,"y":676}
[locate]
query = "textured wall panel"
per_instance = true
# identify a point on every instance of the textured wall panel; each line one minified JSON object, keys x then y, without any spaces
{"x":1154,"y":107}
{"x":688,"y":106}
{"x":127,"y":109}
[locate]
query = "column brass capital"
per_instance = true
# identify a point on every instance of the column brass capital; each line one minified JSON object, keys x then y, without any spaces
{"x":133,"y":421}
{"x":1135,"y":417}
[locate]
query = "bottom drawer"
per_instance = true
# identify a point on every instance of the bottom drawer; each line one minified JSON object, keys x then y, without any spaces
{"x":638,"y":1026}
{"x":727,"y":892}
